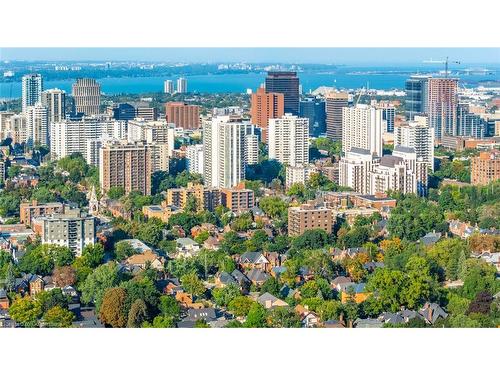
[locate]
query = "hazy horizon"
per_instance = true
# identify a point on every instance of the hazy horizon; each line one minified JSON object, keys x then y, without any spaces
{"x":360,"y":56}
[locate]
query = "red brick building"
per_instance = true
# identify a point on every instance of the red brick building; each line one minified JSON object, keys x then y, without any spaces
{"x":265,"y":106}
{"x":485,"y":168}
{"x":186,"y":116}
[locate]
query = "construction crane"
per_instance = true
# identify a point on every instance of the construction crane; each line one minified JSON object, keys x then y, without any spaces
{"x":446,"y":66}
{"x":445,"y":62}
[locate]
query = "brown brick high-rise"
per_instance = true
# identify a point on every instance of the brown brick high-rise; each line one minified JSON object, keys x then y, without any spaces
{"x":485,"y":168}
{"x":126,"y":165}
{"x":307,"y":217}
{"x":186,"y":116}
{"x":334,"y":104}
{"x":265,"y":106}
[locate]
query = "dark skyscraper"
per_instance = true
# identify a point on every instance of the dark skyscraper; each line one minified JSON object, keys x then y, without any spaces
{"x":389,"y":115}
{"x":286,"y":83}
{"x":314,"y":109}
{"x":124,"y":111}
{"x":416,"y":96}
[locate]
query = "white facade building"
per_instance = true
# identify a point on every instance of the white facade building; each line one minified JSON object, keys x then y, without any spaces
{"x":289,"y":140}
{"x":84,"y":136}
{"x":181,"y":85}
{"x":55,"y":102}
{"x":366,"y":174}
{"x":223,"y":152}
{"x":5,"y":123}
{"x":362,"y":127}
{"x":168,"y":87}
{"x":16,"y":128}
{"x":251,"y":145}
{"x":37,"y":125}
{"x":194,"y":159}
{"x":299,"y":174}
{"x":418,"y":135}
{"x":354,"y":169}
{"x":160,"y":132}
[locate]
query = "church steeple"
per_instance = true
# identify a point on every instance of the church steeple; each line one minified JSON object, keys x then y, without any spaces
{"x":93,"y":202}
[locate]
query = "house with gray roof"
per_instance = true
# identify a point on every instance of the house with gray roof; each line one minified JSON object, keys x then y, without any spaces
{"x":431,"y":312}
{"x":208,"y":314}
{"x":226,"y":278}
{"x":368,"y":323}
{"x":430,"y":238}
{"x":256,"y":276}
{"x":253,"y":259}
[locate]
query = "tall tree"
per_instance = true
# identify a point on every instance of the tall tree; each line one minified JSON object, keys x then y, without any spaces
{"x":256,"y":317}
{"x":63,"y":276}
{"x":103,"y":277}
{"x":58,"y":317}
{"x":25,"y":311}
{"x":112,"y":312}
{"x":138,"y":314}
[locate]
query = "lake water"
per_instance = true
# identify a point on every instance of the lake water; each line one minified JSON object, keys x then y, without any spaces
{"x":386,"y":78}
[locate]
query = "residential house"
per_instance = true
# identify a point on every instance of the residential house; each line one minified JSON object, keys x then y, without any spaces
{"x":48,"y":283}
{"x":209,"y":315}
{"x":205,"y":227}
{"x":306,"y":274}
{"x":372,"y":266}
{"x":340,"y":281}
{"x":269,"y":301}
{"x":243,"y":281}
{"x":278,"y":271}
{"x":460,"y":229}
{"x":256,"y":276}
{"x":36,"y":284}
{"x":144,"y":259}
{"x":116,"y":208}
{"x":253,"y":260}
{"x":491,"y":258}
{"x":391,"y":318}
{"x":430,"y":238}
{"x":186,"y":301}
{"x":4,"y":300}
{"x":87,"y":318}
{"x":368,"y":323}
{"x":333,"y":324}
{"x":431,"y":312}
{"x":186,"y":247}
{"x":224,"y":278}
{"x":357,"y":291}
{"x":21,"y":285}
{"x":309,"y":319}
{"x":211,"y":243}
{"x":351,"y":252}
{"x":172,"y":286}
{"x":287,"y":292}
{"x":138,"y":245}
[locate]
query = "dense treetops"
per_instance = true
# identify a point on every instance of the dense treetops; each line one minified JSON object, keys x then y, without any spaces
{"x":398,"y":270}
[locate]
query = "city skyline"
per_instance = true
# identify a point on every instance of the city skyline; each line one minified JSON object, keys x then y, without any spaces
{"x":299,"y":55}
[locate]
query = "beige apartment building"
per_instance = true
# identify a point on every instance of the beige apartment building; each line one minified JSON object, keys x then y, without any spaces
{"x":308,"y":216}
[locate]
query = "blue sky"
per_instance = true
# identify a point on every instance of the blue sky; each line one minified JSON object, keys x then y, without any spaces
{"x":381,"y":56}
